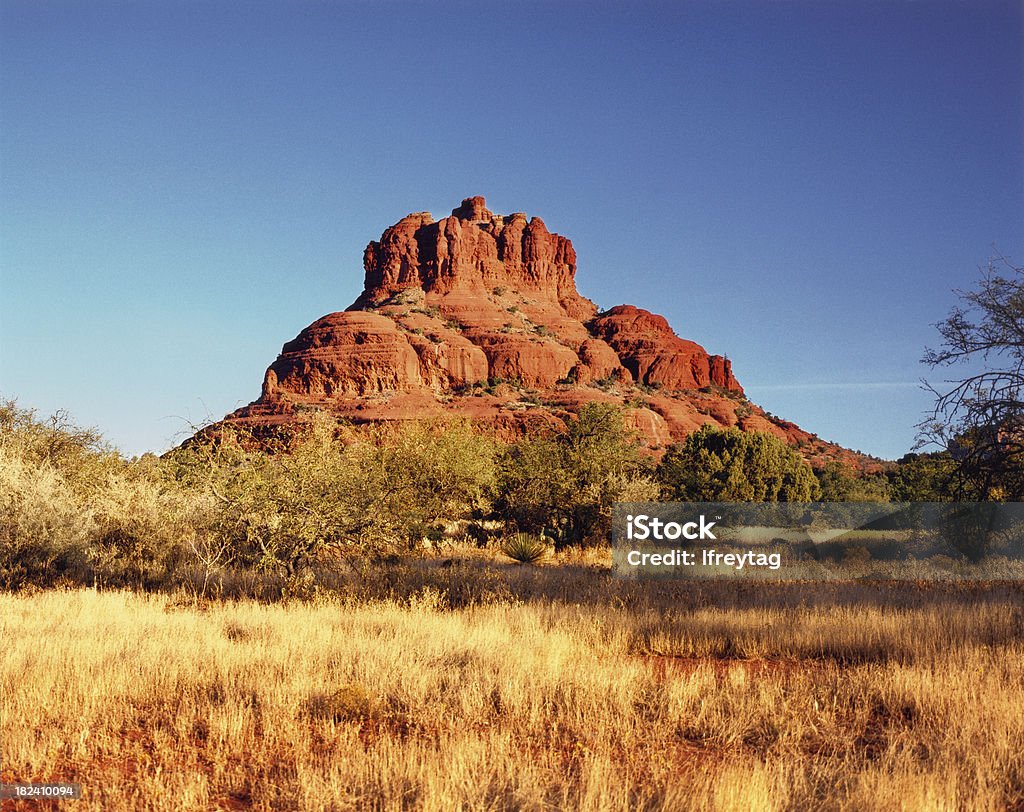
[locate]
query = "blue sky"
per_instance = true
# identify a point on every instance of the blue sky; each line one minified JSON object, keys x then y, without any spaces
{"x":184,"y":186}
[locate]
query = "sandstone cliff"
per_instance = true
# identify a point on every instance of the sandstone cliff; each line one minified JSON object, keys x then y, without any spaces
{"x":478,"y":314}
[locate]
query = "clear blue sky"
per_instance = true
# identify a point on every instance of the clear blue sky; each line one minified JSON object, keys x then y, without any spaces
{"x":184,"y":186}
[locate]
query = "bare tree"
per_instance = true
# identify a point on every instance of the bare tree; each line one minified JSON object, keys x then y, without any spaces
{"x":979,"y":418}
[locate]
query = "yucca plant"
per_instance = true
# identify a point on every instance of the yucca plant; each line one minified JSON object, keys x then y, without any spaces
{"x":525,"y":548}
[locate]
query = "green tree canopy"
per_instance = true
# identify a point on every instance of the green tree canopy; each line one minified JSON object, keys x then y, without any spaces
{"x":729,"y":465}
{"x":841,"y":484}
{"x":923,"y":477}
{"x":564,"y":482}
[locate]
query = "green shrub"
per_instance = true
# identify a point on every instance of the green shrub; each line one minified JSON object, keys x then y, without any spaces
{"x":564,"y":482}
{"x":729,"y":465}
{"x":840,"y":483}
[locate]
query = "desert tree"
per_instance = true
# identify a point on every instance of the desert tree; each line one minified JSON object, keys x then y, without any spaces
{"x":729,"y":465}
{"x":979,"y":417}
{"x":562,"y":482}
{"x":72,"y":507}
{"x":921,"y":477}
{"x":327,"y":492}
{"x":840,"y":483}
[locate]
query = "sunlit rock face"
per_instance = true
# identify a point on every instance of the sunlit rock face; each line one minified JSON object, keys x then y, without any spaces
{"x":478,"y":314}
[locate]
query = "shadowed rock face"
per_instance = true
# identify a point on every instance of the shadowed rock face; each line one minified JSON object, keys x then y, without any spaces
{"x":478,"y":314}
{"x":656,"y":356}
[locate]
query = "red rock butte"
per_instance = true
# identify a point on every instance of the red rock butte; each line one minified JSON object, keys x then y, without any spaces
{"x":477,"y":314}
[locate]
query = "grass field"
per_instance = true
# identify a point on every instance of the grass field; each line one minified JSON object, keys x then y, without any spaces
{"x":559,"y":689}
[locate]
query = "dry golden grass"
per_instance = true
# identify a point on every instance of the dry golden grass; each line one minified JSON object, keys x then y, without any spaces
{"x":156,"y":703}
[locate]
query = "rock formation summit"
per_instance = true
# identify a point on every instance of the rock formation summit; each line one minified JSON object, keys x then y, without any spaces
{"x":478,"y":314}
